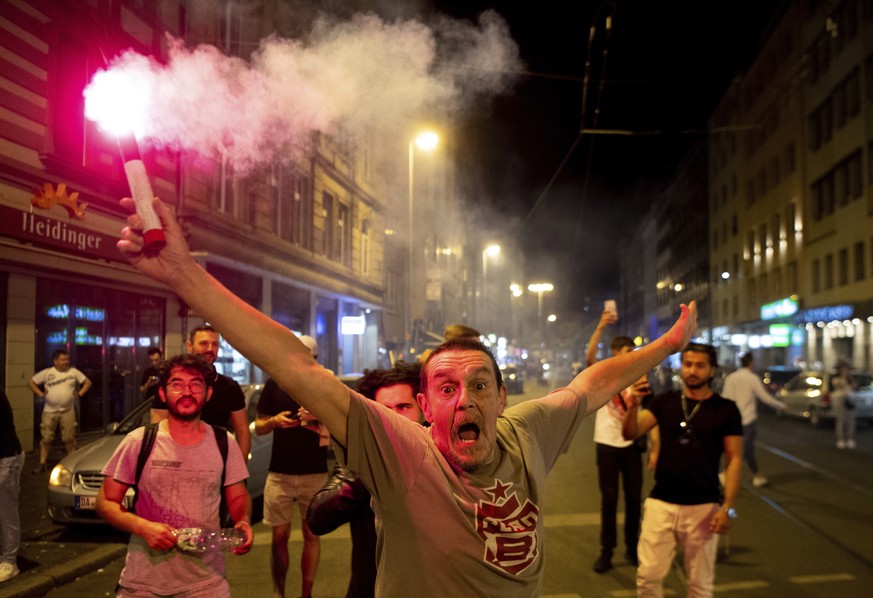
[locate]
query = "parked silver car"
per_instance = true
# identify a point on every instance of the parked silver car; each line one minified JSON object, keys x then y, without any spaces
{"x":74,"y":482}
{"x":775,"y":376}
{"x":808,"y":394}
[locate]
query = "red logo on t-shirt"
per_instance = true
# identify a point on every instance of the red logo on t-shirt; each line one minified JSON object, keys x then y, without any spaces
{"x":508,"y":529}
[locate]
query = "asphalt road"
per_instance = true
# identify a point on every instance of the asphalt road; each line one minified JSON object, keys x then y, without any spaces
{"x":807,"y":534}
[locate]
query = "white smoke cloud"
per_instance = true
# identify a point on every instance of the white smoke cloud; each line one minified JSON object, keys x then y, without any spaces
{"x":360,"y":73}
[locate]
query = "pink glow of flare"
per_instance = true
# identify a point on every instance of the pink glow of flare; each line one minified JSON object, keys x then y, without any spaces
{"x":357,"y":77}
{"x":118,"y":99}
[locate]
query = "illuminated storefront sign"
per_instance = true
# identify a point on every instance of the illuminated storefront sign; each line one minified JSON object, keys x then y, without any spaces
{"x":824,"y":314}
{"x":58,"y":234}
{"x":779,"y":309}
{"x":780,"y":335}
{"x":83,"y":337}
{"x":85,"y":314}
{"x":355,"y":325}
{"x":738,"y":340}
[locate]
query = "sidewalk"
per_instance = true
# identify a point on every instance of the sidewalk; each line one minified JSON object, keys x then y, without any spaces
{"x":52,"y":555}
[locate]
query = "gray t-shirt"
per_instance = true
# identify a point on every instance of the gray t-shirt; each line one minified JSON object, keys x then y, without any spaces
{"x":444,"y":532}
{"x":179,"y":486}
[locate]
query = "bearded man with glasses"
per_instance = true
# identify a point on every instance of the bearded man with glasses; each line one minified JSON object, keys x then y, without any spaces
{"x":179,"y":487}
{"x":227,"y":407}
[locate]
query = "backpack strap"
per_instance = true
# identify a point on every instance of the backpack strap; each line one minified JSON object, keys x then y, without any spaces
{"x":145,"y":449}
{"x":221,"y":441}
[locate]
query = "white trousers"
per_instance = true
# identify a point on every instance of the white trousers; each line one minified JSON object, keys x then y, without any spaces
{"x":666,"y":525}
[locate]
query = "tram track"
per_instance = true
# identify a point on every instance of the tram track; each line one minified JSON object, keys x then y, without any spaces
{"x":835,"y":481}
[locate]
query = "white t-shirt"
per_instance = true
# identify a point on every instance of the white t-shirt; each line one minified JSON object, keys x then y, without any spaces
{"x":60,"y":387}
{"x":743,"y":387}
{"x":607,"y":424}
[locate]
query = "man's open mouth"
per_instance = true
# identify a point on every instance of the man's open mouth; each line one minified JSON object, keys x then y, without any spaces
{"x":468,"y":433}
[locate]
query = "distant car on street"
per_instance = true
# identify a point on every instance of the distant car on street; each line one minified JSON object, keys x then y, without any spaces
{"x":808,"y":394}
{"x":75,"y":481}
{"x":775,"y":376}
{"x":513,"y":378}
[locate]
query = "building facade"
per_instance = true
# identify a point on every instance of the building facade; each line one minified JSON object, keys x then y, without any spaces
{"x":312,"y":241}
{"x":790,"y":201}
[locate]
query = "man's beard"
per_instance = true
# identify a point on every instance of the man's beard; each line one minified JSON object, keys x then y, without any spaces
{"x":185,"y":417}
{"x":696,"y":385}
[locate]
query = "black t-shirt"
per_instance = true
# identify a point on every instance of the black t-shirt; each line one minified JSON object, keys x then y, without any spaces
{"x":295,"y":450}
{"x":227,"y":397}
{"x":688,"y":463}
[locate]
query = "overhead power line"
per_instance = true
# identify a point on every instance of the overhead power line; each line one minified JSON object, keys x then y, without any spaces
{"x":629,"y":132}
{"x":586,"y":81}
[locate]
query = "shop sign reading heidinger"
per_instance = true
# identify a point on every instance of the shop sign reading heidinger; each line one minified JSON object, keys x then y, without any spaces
{"x":29,"y":226}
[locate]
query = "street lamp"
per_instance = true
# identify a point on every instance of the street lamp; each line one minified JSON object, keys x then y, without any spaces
{"x":515,"y":327}
{"x":539,"y":288}
{"x":490,"y":251}
{"x":426,"y":141}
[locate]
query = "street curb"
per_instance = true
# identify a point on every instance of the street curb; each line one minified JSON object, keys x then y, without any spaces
{"x":39,"y":584}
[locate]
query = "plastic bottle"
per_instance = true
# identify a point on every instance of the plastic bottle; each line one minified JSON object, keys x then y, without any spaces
{"x":198,"y":539}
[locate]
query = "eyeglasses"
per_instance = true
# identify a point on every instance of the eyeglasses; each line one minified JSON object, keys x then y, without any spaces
{"x":195,"y":386}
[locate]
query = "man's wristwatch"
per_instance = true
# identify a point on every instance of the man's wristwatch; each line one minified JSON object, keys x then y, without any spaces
{"x":731,"y":512}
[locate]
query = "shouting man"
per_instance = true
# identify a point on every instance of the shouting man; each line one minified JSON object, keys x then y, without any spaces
{"x":459,"y":503}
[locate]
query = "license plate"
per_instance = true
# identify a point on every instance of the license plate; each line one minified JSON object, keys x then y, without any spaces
{"x":86,"y":502}
{"x":89,"y":503}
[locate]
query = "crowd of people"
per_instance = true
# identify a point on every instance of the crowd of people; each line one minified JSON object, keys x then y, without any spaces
{"x":479,"y":465}
{"x":436,"y":433}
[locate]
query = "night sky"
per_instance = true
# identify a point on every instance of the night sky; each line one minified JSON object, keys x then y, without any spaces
{"x":668,"y":63}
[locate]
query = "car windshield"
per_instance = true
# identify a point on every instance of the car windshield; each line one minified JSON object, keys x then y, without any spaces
{"x":778,"y":376}
{"x":863,"y":381}
{"x":138,"y":417}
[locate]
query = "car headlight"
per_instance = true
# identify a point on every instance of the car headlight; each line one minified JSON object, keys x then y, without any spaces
{"x":61,"y":476}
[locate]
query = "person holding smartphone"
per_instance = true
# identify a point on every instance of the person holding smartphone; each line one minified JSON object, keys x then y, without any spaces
{"x":617,"y":457}
{"x":148,"y":386}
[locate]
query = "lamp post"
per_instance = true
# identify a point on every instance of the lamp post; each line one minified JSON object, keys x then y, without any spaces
{"x":426,"y":141}
{"x":539,"y":288}
{"x":490,"y":251}
{"x":515,"y":327}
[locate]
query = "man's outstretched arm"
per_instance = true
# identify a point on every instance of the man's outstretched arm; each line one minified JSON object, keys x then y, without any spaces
{"x":601,"y":381}
{"x":268,"y":344}
{"x":765,"y":397}
{"x":606,"y":318}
